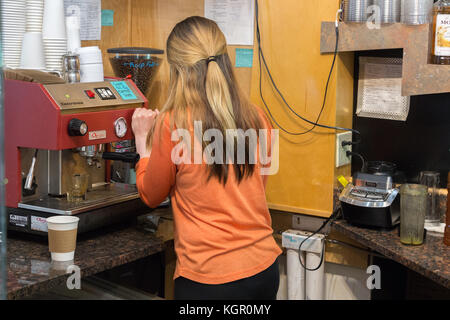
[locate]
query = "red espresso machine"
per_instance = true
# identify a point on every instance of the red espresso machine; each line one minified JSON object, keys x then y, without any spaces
{"x":56,"y":131}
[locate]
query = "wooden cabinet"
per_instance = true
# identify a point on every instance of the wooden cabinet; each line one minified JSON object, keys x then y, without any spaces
{"x":291,"y":43}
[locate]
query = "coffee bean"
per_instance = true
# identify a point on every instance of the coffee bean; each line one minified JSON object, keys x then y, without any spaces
{"x":141,"y":69}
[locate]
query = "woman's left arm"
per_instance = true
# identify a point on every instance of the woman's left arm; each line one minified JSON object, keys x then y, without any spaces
{"x":155,"y":171}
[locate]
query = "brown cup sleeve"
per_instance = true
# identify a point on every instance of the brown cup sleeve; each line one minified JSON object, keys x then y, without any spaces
{"x":62,"y":241}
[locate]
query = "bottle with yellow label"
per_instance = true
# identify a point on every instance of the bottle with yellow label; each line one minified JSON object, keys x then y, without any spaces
{"x":441,"y":28}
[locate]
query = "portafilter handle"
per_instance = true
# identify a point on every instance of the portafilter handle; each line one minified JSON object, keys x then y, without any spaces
{"x":129,"y":157}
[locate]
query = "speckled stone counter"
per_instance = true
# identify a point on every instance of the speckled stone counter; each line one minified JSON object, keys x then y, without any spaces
{"x":31,"y":269}
{"x":432,"y":259}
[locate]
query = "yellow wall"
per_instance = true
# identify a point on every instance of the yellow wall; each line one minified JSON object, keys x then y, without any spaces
{"x":291,"y":43}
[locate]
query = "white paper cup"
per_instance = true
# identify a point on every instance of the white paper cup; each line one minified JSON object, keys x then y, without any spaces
{"x":92,"y":72}
{"x":90,"y":58}
{"x":73,"y":33}
{"x":73,"y":40}
{"x":54,"y":22}
{"x":73,"y":22}
{"x":61,"y":265}
{"x":90,"y":55}
{"x":62,"y":237}
{"x":32,"y":51}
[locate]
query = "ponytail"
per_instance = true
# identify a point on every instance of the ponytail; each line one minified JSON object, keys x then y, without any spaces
{"x":203,"y":87}
{"x":218,"y":95}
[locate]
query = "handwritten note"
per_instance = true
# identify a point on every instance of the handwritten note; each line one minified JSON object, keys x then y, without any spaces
{"x":89,"y":12}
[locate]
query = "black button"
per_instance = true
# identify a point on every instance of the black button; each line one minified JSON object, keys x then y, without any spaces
{"x":77,"y":127}
{"x":105,"y":93}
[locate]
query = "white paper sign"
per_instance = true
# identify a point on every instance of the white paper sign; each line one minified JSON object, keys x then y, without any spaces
{"x":235,"y":18}
{"x":90,"y":14}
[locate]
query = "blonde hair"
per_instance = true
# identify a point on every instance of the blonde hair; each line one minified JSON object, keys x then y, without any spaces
{"x":203,"y":87}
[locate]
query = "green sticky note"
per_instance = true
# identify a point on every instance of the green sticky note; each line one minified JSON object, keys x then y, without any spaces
{"x":244,"y":58}
{"x":107,"y":18}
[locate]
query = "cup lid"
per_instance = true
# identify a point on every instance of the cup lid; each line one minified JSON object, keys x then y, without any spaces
{"x":62,"y":219}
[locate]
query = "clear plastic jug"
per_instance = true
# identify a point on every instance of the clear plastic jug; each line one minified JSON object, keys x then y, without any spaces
{"x":413,"y":207}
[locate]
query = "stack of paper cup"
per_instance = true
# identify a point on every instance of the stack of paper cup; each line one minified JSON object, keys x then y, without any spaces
{"x":416,"y":11}
{"x":91,"y":64}
{"x":73,"y":33}
{"x":35,"y":14}
{"x":13,"y":23}
{"x":62,"y":237}
{"x":54,"y":34}
{"x":32,"y":52}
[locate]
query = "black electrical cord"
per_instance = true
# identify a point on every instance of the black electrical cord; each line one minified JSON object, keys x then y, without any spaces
{"x":363,"y":161}
{"x":262,"y":61}
{"x":332,"y":218}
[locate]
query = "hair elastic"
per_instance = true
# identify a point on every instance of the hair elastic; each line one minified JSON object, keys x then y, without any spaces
{"x":211,"y":58}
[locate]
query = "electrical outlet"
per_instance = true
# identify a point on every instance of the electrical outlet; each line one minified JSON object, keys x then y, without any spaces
{"x":341,"y":152}
{"x":296,"y":223}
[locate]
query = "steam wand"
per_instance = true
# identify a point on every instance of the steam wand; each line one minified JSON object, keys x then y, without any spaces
{"x":29,"y":181}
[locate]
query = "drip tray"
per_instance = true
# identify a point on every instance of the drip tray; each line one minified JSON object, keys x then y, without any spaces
{"x":97,"y":198}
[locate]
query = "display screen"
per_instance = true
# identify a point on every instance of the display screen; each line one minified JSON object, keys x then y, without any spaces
{"x":124,"y":90}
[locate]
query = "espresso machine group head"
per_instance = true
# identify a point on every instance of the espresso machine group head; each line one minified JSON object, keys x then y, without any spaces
{"x":56,"y":131}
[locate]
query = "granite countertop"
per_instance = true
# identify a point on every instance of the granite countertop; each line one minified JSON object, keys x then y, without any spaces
{"x":30,"y":269}
{"x":432,"y":259}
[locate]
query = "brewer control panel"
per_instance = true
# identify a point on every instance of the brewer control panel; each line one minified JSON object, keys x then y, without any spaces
{"x":95,"y":96}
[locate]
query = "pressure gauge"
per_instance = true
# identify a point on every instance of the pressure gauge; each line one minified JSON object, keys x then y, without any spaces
{"x":121,"y":127}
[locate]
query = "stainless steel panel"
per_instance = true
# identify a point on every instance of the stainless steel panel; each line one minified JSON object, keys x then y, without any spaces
{"x":99,"y":197}
{"x":347,"y":197}
{"x":62,"y":165}
{"x":55,"y":172}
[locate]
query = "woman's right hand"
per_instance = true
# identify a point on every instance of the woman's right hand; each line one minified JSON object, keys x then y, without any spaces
{"x":142,"y":122}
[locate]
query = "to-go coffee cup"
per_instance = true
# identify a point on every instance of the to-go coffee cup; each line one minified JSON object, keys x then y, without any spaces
{"x":62,"y":237}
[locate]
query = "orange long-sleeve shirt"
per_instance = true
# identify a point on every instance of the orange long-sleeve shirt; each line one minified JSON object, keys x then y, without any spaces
{"x":222,"y":233}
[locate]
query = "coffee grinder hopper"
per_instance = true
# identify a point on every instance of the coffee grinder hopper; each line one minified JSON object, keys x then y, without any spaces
{"x":138,"y":64}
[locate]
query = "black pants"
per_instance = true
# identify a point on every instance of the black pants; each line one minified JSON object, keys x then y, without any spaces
{"x":262,"y":286}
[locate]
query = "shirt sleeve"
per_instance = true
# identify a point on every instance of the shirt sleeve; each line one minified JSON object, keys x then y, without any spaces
{"x":155,"y":175}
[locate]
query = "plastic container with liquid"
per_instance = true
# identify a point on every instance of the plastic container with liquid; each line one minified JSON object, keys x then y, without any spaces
{"x":413,"y":207}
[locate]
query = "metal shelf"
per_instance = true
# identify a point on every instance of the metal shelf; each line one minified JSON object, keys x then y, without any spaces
{"x":419,"y":77}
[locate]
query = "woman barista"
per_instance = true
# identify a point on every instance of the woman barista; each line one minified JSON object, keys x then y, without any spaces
{"x":223,"y":235}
